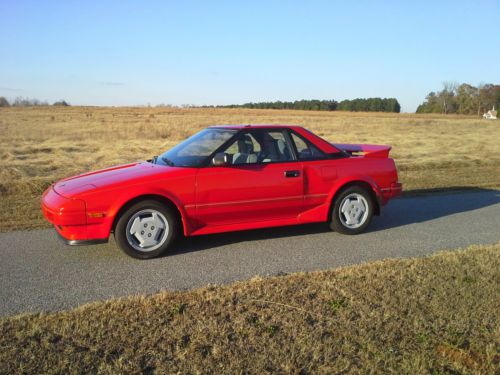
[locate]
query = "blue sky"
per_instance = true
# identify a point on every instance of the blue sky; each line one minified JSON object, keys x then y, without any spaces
{"x":221,"y":52}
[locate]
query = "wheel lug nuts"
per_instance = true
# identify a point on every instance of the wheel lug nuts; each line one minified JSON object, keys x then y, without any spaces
{"x":152,"y":228}
{"x":145,"y":225}
{"x":142,"y":232}
{"x":149,"y":235}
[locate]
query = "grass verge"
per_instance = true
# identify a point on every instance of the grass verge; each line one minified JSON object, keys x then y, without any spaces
{"x":436,"y":314}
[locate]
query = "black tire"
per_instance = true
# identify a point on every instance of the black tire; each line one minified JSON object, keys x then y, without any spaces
{"x":337,"y":224}
{"x":168,"y":237}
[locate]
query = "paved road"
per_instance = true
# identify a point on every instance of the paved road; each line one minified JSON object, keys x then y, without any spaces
{"x":39,"y":273}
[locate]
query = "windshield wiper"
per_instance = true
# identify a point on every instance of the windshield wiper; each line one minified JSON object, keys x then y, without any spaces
{"x":155,"y":158}
{"x":167,"y":161}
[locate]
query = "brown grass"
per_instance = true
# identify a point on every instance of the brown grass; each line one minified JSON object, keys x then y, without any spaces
{"x":437,"y":315}
{"x":42,"y":145}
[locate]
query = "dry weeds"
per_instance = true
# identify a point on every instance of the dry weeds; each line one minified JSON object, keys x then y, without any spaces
{"x":432,"y":315}
{"x":41,"y":145}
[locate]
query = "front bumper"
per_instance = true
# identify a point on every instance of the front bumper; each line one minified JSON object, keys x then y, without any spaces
{"x":59,"y":210}
{"x":69,"y":218}
{"x":81,"y":242}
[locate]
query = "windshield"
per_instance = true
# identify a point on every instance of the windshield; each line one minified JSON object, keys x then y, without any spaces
{"x":194,"y":150}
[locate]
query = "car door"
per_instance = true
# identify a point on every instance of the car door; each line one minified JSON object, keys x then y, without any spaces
{"x":261,"y":181}
{"x":319,"y":172}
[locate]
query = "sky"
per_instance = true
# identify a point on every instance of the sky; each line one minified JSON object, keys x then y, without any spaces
{"x":231,"y":52}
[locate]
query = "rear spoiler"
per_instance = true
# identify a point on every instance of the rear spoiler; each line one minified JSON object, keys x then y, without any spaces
{"x":367,"y":151}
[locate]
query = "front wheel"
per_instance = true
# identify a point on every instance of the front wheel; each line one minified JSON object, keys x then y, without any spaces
{"x":352,"y":211}
{"x":146,"y":229}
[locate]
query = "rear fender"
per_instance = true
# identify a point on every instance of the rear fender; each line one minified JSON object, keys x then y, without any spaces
{"x":342,"y":183}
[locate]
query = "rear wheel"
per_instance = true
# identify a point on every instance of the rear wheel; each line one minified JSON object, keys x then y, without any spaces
{"x":146,"y":230}
{"x":352,"y":211}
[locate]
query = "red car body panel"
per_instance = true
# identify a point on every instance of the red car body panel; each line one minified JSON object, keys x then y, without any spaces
{"x":219,"y":199}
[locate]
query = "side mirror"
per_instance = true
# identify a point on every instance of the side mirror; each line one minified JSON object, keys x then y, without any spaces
{"x":220,"y":159}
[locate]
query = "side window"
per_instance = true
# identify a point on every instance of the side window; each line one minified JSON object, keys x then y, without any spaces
{"x":305,"y":150}
{"x":259,"y":146}
{"x":274,"y":147}
{"x":244,"y":150}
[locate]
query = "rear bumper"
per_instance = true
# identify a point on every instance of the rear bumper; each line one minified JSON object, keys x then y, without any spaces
{"x":69,"y":218}
{"x":393,"y":191}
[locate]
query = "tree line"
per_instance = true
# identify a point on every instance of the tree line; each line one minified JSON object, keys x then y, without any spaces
{"x":462,"y":99}
{"x":370,"y":105}
{"x":27,"y":102}
{"x":355,"y":105}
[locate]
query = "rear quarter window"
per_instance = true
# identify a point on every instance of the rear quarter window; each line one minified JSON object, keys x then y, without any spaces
{"x":306,"y":150}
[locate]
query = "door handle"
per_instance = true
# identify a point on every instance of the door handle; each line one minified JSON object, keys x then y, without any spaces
{"x":292,"y":173}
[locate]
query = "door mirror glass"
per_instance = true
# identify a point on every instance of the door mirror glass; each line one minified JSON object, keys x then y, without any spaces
{"x":220,"y":159}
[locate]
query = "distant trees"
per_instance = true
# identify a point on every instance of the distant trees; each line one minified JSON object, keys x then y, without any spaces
{"x":369,"y":105}
{"x":4,"y":102}
{"x":27,"y":102}
{"x":313,"y":105}
{"x":466,"y":99}
{"x":461,"y":99}
{"x":61,"y":103}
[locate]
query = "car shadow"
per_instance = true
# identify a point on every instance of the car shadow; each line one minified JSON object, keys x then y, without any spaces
{"x":411,"y":209}
{"x":418,"y":208}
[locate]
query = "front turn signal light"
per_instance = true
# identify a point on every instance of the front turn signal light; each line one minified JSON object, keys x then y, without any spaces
{"x":95,"y":214}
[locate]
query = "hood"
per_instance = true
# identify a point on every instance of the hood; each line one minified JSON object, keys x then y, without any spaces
{"x":108,"y":177}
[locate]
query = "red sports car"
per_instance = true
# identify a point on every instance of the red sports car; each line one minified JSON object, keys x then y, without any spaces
{"x":225,"y":178}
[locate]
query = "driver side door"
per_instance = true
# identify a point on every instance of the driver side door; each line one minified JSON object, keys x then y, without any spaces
{"x":262,"y":181}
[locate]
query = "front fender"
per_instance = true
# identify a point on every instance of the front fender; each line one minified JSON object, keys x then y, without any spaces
{"x":151,"y":192}
{"x":117,"y":199}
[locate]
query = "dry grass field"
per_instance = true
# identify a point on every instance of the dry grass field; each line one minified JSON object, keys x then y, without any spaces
{"x":432,"y":315}
{"x":40,"y":145}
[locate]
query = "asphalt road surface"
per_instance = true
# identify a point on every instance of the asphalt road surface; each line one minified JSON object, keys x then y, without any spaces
{"x":40,"y":273}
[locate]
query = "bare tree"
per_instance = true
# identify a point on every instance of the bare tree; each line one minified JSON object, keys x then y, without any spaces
{"x":27,"y":102}
{"x":447,"y":95}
